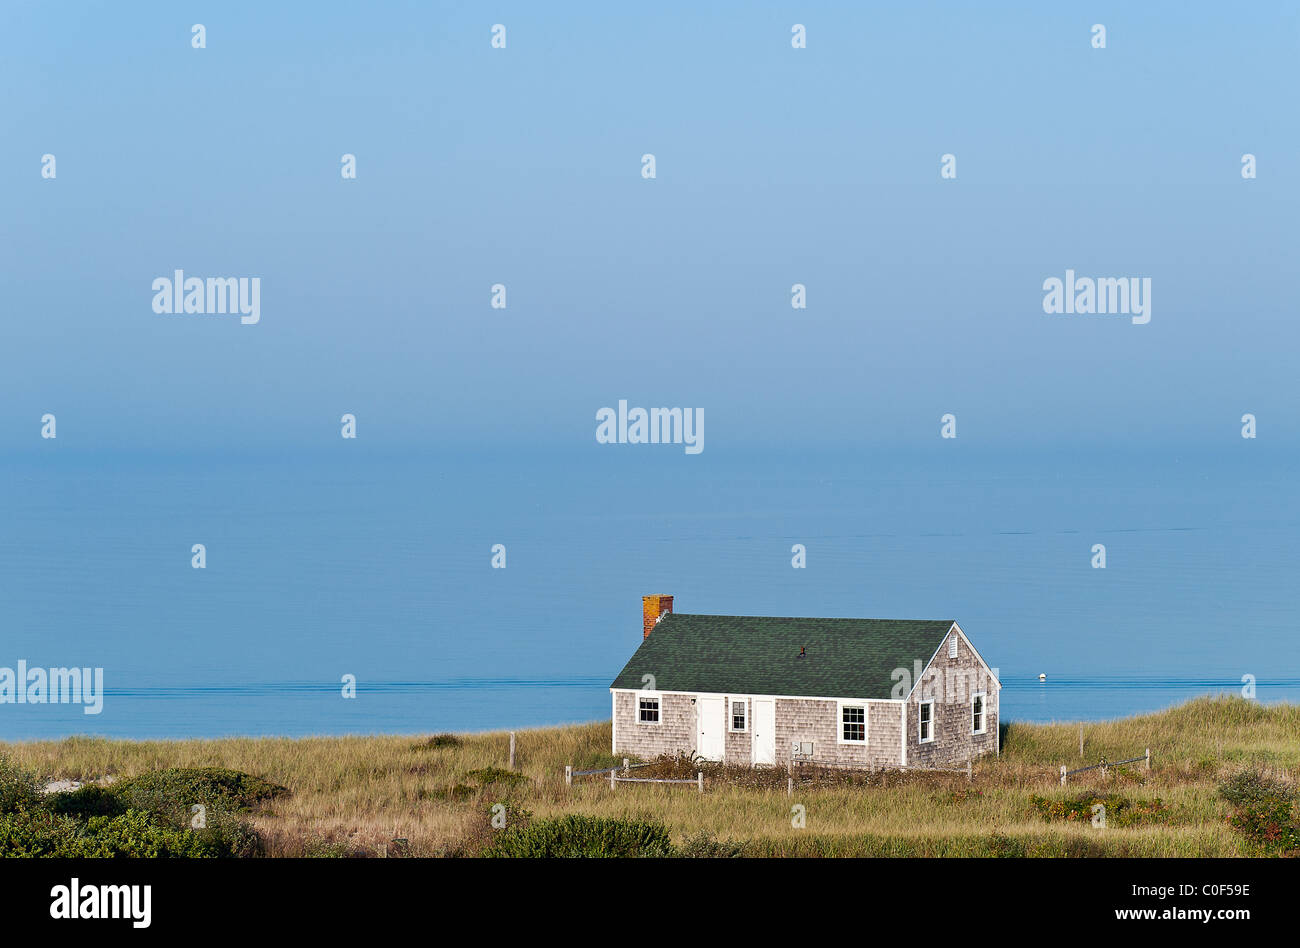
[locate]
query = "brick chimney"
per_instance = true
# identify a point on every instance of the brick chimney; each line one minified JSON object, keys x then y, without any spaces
{"x":654,"y":608}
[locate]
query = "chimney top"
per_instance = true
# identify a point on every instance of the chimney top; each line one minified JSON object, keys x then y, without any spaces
{"x":654,"y":608}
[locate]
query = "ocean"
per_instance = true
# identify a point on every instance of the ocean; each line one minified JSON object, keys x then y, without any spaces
{"x":322,"y":564}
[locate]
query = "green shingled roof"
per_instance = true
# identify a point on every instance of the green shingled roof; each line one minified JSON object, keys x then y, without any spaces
{"x":843,"y":658}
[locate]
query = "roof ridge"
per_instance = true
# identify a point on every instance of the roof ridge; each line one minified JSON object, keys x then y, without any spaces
{"x":791,"y":655}
{"x":717,"y":615}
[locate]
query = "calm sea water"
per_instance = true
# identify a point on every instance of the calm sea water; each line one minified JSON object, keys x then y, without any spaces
{"x":332,"y":563}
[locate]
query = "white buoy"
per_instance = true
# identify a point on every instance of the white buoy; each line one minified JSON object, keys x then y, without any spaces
{"x":1042,"y":677}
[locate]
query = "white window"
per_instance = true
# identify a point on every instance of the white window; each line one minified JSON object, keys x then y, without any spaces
{"x":738,"y":714}
{"x":977,"y":715}
{"x":952,"y":645}
{"x":925,"y":732}
{"x":649,"y":708}
{"x":853,"y":723}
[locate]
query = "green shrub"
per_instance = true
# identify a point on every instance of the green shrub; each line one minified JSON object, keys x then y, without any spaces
{"x":575,"y":836}
{"x":703,"y":845}
{"x":19,"y":790}
{"x":136,"y":835}
{"x":38,"y":833}
{"x":172,"y":792}
{"x":1267,"y":825}
{"x":131,"y":834}
{"x":320,"y":848}
{"x":488,"y":776}
{"x":439,"y":740}
{"x":87,"y":801}
{"x":1251,"y":786}
{"x":1263,"y":811}
{"x":147,"y":816}
{"x":1119,"y":811}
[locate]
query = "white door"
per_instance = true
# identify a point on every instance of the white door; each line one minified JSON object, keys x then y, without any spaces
{"x":710,"y":720}
{"x":764,"y":731}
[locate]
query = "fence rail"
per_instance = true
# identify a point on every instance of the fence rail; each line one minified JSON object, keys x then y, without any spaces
{"x":570,"y":773}
{"x":615,"y":780}
{"x":1105,"y":766}
{"x":966,"y":769}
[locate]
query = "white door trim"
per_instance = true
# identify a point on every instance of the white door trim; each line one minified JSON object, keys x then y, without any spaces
{"x":711,"y":728}
{"x":763,"y":726}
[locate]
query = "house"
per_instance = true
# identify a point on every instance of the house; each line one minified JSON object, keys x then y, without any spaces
{"x":754,"y":690}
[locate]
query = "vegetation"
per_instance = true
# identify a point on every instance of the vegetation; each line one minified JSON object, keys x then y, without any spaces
{"x":153,"y":815}
{"x":1223,"y":784}
{"x":1264,"y":812}
{"x":575,"y":835}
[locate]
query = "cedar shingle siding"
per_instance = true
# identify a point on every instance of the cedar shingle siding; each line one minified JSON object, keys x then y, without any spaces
{"x":864,"y":663}
{"x":952,"y":682}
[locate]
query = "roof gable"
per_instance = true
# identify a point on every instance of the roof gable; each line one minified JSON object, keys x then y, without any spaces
{"x":843,"y":658}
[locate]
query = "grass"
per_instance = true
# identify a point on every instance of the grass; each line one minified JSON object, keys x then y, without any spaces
{"x":354,"y":795}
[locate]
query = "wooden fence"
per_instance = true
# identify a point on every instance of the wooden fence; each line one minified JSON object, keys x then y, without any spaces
{"x":1105,"y":766}
{"x":968,"y":769}
{"x":615,"y":779}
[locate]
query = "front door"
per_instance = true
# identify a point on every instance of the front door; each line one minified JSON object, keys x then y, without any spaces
{"x":711,"y":721}
{"x":764,"y":731}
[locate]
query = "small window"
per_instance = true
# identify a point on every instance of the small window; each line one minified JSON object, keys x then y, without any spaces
{"x":926,"y":732}
{"x":977,"y":714}
{"x":649,"y":710}
{"x":854,"y":721}
{"x":737,"y":714}
{"x":952,"y":645}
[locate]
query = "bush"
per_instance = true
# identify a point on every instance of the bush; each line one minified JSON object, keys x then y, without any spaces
{"x":19,"y":790}
{"x":136,"y":835}
{"x":1262,"y":811}
{"x":487,"y":776}
{"x":1267,"y":825}
{"x":182,"y":787}
{"x":1251,"y":786}
{"x":1119,"y":811}
{"x":147,"y":816}
{"x":320,"y":848}
{"x":439,"y":740}
{"x":132,"y":834}
{"x":703,"y":845}
{"x":38,"y":833}
{"x":90,"y":800}
{"x":583,"y":836}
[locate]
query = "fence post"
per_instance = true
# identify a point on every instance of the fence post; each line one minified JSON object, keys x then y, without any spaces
{"x":611,"y":779}
{"x":789,"y":786}
{"x":568,"y":775}
{"x":625,"y":768}
{"x":699,"y":779}
{"x":1148,"y":758}
{"x":969,"y":775}
{"x":1063,"y":775}
{"x":1104,"y":767}
{"x":512,"y":750}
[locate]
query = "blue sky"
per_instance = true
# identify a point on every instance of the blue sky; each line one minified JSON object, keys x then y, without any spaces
{"x":521,"y":166}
